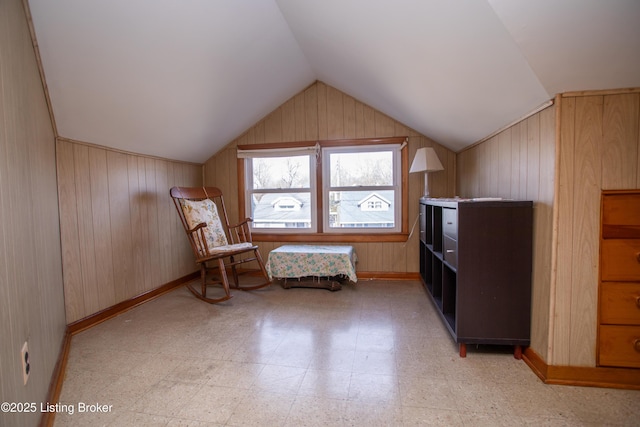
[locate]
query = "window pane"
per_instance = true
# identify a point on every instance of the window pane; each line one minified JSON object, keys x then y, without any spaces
{"x":363,"y":168}
{"x":361,"y":209}
{"x":281,"y":210}
{"x":281,"y":172}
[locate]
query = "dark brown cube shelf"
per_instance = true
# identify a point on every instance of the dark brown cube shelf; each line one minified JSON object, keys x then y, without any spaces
{"x":475,"y":263}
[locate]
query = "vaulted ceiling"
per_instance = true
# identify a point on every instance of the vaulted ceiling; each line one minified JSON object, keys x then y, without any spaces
{"x":182,"y":78}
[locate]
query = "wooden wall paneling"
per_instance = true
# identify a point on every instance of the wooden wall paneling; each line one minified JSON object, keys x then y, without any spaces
{"x":180,"y":251}
{"x":533,"y":155}
{"x":463,"y":165}
{"x":311,"y":115}
{"x":70,"y":239}
{"x":493,"y":163}
{"x":151,"y":203}
{"x":143,"y":200}
{"x":384,"y":125}
{"x":558,"y":350}
{"x":504,"y":163}
{"x":101,"y":226}
{"x":543,"y":217}
{"x":174,"y":261}
{"x":138,"y":224}
{"x":522,"y":143}
{"x":273,"y":126}
{"x":120,"y":216}
{"x":289,"y":120}
{"x":586,"y":216}
{"x":514,"y":192}
{"x":85,"y":229}
{"x":163,"y":235}
{"x":349,"y":116}
{"x":620,"y":144}
{"x":369,"y":115}
{"x":362,"y":252}
{"x":335,"y":113}
{"x":322,"y":114}
{"x":31,"y":282}
{"x":484,"y":169}
{"x":299,"y":118}
{"x":359,"y":119}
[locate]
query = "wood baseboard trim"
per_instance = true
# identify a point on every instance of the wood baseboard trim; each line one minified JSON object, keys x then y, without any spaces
{"x":625,"y":378}
{"x":55,"y":386}
{"x":387,"y":275}
{"x":108,"y":313}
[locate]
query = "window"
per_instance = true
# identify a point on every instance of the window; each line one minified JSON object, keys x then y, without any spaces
{"x":363,"y":180}
{"x":280,"y":191}
{"x":326,"y":190}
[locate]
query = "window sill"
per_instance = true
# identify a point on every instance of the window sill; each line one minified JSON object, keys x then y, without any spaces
{"x":330,"y":237}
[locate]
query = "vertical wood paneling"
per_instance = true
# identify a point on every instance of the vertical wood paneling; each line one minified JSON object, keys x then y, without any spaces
{"x":127,"y":240}
{"x":85,"y":229}
{"x":522,"y":142}
{"x":586,"y":219}
{"x":138,"y":259}
{"x":620,"y":143}
{"x":288,"y":120}
{"x":560,"y":303}
{"x":311,"y":106}
{"x":120,"y":221}
{"x":323,"y":112}
{"x":32,"y":304}
{"x":72,"y":264}
{"x":504,"y":173}
{"x":101,"y":226}
{"x":533,"y":155}
{"x":599,"y":150}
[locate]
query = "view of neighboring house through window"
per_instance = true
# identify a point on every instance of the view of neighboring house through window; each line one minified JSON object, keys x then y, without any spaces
{"x":364,"y":187}
{"x":280,"y":192}
{"x":361,"y":187}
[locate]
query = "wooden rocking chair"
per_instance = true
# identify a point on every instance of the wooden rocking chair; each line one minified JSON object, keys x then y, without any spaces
{"x":213,"y":239}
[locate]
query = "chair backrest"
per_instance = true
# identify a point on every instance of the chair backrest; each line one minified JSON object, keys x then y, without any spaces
{"x":202,"y":205}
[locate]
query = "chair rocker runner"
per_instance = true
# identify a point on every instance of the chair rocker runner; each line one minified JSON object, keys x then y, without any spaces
{"x":214,"y":240}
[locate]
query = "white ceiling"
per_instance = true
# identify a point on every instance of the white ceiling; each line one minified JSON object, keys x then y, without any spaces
{"x":182,"y":78}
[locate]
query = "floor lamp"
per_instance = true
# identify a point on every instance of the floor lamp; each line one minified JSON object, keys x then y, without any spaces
{"x":426,"y":160}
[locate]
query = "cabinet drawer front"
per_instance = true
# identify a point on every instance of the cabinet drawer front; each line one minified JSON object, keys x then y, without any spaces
{"x":621,"y":216}
{"x":620,"y":303}
{"x":621,"y":259}
{"x":619,"y":346}
{"x":451,"y":252}
{"x":450,"y":223}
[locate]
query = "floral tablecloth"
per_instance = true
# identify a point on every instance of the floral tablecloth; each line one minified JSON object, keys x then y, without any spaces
{"x":295,"y":261}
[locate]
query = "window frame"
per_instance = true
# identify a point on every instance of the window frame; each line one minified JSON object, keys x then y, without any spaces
{"x":320,"y":235}
{"x":396,"y":185}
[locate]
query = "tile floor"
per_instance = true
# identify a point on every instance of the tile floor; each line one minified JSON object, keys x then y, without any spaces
{"x":372,"y":354}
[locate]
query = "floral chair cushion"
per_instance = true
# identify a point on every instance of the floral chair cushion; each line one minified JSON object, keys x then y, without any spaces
{"x":196,"y":212}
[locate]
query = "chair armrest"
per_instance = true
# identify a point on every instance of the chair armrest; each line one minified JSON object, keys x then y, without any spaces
{"x":198,"y":240}
{"x":240,"y":232}
{"x":241,"y":223}
{"x":197,"y":227}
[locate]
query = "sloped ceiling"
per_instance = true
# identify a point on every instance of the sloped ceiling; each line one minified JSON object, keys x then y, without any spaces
{"x":182,"y":78}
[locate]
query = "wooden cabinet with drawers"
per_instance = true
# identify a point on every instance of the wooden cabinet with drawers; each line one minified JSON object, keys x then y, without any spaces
{"x":619,"y":293}
{"x":475,"y":262}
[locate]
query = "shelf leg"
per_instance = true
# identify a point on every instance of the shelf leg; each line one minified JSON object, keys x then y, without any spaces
{"x":463,"y":350}
{"x":517,"y":353}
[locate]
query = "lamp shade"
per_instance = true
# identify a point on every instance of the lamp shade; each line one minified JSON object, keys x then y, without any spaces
{"x":426,"y":160}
